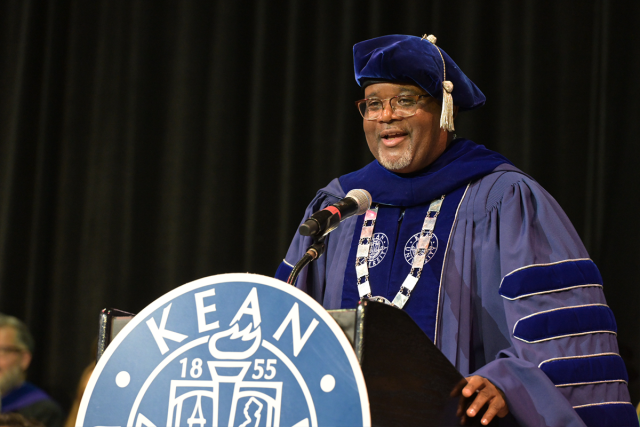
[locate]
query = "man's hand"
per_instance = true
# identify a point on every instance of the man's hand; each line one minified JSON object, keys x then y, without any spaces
{"x":485,"y":392}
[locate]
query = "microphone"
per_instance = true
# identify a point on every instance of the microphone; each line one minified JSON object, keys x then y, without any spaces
{"x":323,"y":222}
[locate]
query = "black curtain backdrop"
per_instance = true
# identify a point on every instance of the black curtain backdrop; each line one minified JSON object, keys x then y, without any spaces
{"x":145,"y":144}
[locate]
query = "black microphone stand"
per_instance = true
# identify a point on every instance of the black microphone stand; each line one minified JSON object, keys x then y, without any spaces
{"x":314,"y":252}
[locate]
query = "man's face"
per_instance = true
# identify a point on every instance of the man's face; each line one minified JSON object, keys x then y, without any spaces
{"x":405,"y":144}
{"x":14,"y":360}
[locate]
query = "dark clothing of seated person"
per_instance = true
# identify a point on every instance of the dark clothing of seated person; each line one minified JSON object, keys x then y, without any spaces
{"x":18,"y":395}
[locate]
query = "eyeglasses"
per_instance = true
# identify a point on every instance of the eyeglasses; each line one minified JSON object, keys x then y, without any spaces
{"x":6,"y":350}
{"x":401,"y":105}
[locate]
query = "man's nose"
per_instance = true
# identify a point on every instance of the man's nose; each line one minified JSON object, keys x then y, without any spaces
{"x":387,"y":113}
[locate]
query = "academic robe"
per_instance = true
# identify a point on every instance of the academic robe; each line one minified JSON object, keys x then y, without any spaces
{"x":520,"y":302}
{"x":33,"y":403}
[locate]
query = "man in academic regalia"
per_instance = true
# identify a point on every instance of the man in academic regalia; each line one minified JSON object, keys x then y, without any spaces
{"x":18,"y":395}
{"x":475,"y":251}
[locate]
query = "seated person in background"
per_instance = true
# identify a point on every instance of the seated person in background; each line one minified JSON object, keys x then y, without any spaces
{"x":18,"y":395}
{"x":474,"y":250}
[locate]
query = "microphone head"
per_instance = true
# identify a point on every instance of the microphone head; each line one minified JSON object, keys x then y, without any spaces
{"x":363,"y":198}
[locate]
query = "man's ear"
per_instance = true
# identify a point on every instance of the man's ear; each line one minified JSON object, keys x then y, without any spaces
{"x":26,"y":360}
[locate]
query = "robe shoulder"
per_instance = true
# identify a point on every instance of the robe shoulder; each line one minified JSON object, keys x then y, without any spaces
{"x":323,"y":278}
{"x":323,"y":198}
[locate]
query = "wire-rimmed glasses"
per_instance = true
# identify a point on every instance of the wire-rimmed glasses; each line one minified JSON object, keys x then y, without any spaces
{"x":401,"y":105}
{"x":7,"y":350}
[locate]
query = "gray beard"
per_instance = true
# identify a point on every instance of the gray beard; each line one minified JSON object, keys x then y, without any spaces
{"x":10,"y":379}
{"x":400,"y":163}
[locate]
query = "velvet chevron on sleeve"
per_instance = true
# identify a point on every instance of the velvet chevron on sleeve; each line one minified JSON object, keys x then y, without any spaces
{"x":529,"y":310}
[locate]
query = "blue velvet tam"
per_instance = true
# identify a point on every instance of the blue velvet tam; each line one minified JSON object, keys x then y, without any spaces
{"x":410,"y":59}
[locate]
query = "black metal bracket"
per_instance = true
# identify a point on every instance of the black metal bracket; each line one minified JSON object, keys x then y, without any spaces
{"x":314,"y":252}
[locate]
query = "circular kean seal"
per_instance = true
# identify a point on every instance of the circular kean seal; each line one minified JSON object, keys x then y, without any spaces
{"x":228,"y":350}
{"x":412,"y":243}
{"x":378,"y":250}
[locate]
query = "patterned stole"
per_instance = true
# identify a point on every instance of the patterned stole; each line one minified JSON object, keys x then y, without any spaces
{"x":392,"y":251}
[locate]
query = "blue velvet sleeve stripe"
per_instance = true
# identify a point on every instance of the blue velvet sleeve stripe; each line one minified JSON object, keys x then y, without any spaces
{"x":545,"y":278}
{"x":283,"y":271}
{"x":577,"y":370}
{"x":609,"y":414}
{"x":565,"y":321}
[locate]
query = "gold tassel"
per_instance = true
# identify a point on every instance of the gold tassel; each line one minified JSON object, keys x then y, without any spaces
{"x":446,"y":118}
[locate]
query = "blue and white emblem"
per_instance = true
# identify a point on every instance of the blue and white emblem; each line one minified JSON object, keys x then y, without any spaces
{"x":237,"y":350}
{"x":378,"y":250}
{"x":412,"y":243}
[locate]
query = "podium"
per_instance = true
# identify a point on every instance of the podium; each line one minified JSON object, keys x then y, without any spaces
{"x":409,"y":382}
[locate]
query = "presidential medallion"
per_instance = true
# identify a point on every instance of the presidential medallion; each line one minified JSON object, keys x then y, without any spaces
{"x":412,"y":243}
